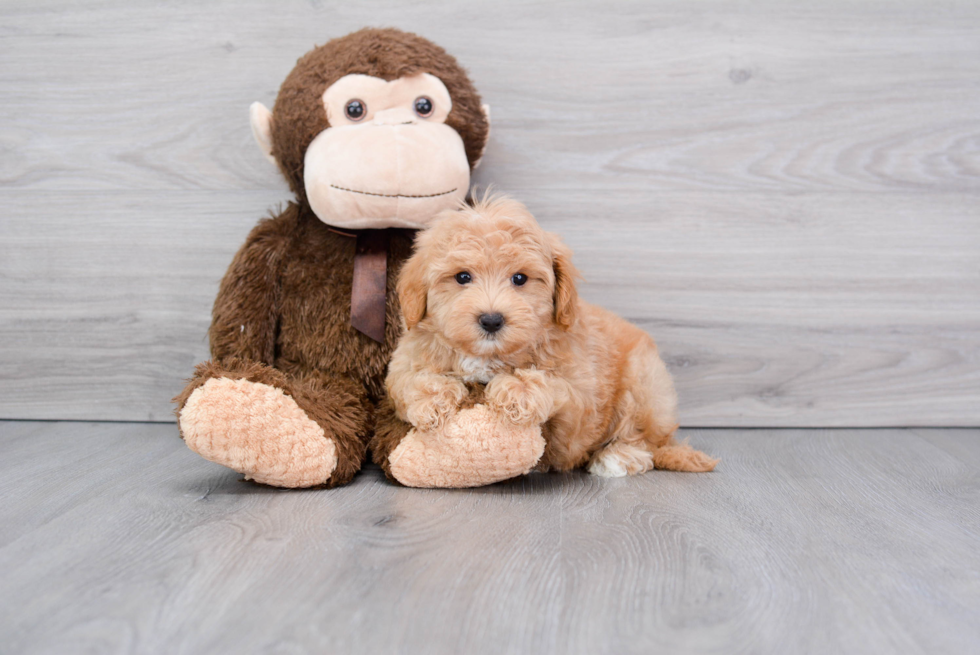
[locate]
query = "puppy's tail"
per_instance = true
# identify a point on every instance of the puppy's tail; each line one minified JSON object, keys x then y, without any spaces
{"x":674,"y":456}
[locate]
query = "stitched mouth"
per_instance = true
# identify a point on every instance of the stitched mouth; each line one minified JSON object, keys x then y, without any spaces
{"x":393,"y":195}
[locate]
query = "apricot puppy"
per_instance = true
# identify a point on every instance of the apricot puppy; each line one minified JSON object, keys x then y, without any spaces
{"x":488,"y":297}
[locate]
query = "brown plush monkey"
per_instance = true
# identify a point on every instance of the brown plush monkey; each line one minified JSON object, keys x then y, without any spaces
{"x":376,"y":132}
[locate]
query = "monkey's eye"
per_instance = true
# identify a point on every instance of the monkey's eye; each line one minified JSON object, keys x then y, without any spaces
{"x":519,"y":279}
{"x":463,"y":277}
{"x":355,"y":110}
{"x":423,"y":106}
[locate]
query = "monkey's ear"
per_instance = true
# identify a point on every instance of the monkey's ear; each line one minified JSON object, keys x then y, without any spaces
{"x":486,"y":113}
{"x":412,"y":291}
{"x":566,"y":295}
{"x":261,"y":119}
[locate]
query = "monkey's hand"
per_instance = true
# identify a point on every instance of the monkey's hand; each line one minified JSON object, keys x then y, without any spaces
{"x":430,"y":399}
{"x":527,"y":397}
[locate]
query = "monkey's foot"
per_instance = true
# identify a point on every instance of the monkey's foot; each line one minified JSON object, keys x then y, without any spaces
{"x":475,"y":447}
{"x":259,"y":431}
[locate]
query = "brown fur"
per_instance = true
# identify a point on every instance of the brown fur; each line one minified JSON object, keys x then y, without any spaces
{"x":593,"y":379}
{"x":282,"y":314}
{"x":388,"y":433}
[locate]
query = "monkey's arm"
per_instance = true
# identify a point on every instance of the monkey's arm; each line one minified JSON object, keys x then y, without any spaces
{"x":475,"y":446}
{"x":467,"y":447}
{"x":245,"y":317}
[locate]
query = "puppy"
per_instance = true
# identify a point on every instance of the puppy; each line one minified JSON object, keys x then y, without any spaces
{"x":488,"y":298}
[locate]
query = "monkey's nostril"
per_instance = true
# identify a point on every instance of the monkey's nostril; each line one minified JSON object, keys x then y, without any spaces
{"x":491,"y":322}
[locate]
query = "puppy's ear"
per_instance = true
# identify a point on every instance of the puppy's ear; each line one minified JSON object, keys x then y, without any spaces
{"x":412,"y":290}
{"x":566,"y":296}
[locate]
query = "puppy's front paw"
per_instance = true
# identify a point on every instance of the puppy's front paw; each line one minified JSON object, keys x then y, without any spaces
{"x":435,"y":405}
{"x":524,"y":398}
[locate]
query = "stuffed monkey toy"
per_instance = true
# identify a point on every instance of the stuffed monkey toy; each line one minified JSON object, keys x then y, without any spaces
{"x":376,"y":132}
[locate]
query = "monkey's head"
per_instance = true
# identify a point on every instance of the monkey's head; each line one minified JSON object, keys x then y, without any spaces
{"x":379,"y":128}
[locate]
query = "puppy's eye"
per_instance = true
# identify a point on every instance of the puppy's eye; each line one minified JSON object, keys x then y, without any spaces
{"x":463,"y":277}
{"x":519,"y":279}
{"x":423,"y":106}
{"x":355,"y":109}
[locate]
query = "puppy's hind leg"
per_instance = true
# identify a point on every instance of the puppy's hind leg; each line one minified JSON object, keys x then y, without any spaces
{"x":626,"y":453}
{"x":621,"y":458}
{"x":658,"y":415}
{"x":647,"y":420}
{"x":657,"y":404}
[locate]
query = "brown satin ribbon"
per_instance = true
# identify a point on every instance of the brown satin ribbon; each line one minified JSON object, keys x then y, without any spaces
{"x":367,"y":299}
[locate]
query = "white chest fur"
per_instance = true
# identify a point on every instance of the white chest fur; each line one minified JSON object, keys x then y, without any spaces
{"x":478,"y":369}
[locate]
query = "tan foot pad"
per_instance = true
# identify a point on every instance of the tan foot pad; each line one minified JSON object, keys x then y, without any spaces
{"x":476,"y":448}
{"x":259,"y":431}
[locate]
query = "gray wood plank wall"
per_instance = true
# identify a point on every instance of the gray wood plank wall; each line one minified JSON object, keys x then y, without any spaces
{"x":784,"y":194}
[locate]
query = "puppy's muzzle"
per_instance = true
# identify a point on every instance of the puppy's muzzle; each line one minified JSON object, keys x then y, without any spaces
{"x":491,"y":322}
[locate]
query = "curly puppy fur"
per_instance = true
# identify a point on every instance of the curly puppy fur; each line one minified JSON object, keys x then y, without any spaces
{"x":594,"y":380}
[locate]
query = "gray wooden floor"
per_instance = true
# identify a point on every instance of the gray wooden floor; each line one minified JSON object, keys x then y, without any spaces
{"x":116,"y":538}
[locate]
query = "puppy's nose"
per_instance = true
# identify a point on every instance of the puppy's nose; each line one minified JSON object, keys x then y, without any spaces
{"x":491,"y":322}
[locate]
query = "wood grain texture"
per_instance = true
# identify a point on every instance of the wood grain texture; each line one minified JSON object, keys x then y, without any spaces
{"x":784,"y":196}
{"x":116,"y":538}
{"x":880,"y":330}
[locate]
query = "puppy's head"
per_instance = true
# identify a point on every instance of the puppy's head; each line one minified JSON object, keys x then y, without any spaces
{"x":489,"y":280}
